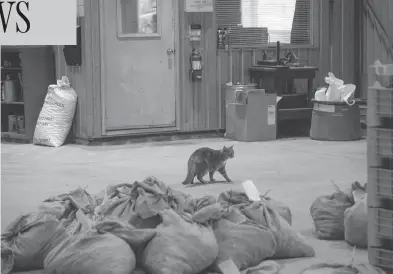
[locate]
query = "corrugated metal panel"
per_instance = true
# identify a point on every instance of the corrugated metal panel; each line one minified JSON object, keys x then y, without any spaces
{"x":287,"y":21}
{"x":199,"y":100}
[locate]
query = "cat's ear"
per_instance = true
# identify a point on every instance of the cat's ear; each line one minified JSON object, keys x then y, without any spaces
{"x":224,"y":148}
{"x":231,"y":146}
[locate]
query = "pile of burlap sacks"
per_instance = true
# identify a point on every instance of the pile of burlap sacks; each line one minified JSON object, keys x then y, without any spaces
{"x":342,"y":215}
{"x":150,"y":226}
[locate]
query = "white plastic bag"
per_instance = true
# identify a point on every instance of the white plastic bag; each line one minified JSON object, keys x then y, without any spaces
{"x":355,"y":224}
{"x":320,"y":94}
{"x":57,"y":113}
{"x":333,"y":93}
{"x":347,"y":93}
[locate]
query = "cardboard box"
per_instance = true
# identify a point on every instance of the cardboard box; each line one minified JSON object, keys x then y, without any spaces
{"x":255,"y":116}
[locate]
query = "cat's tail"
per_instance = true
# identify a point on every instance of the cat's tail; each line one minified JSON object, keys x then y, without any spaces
{"x":190,"y":173}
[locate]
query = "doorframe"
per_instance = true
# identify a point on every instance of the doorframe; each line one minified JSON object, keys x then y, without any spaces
{"x":158,"y":129}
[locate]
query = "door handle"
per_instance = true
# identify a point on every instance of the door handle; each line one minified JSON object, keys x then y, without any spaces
{"x":170,"y":51}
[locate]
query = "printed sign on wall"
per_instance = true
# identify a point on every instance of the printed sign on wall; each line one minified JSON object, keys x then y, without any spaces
{"x":35,"y":23}
{"x":198,"y":5}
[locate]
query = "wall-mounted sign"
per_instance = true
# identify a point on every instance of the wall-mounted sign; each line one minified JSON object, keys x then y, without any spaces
{"x":198,"y":5}
{"x":195,"y":32}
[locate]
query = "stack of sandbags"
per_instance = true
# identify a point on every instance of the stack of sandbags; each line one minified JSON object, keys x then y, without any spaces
{"x":327,"y":212}
{"x":246,"y":245}
{"x":355,"y":218}
{"x":239,"y":199}
{"x":147,"y":224}
{"x":108,"y":248}
{"x":342,"y":215}
{"x":179,"y":246}
{"x":28,"y":239}
{"x":326,"y":268}
{"x":72,"y":209}
{"x":274,"y":217}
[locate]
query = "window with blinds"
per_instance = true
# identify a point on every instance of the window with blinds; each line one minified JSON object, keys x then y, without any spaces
{"x":253,"y":23}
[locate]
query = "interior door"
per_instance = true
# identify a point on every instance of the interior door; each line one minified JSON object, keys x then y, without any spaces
{"x":138,"y":68}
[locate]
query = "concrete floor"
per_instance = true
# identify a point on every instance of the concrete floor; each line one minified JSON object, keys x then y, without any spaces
{"x":295,"y":170}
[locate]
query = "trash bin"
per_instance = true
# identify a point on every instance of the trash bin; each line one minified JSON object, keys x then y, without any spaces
{"x":335,"y":121}
{"x":230,"y":94}
{"x":255,"y":116}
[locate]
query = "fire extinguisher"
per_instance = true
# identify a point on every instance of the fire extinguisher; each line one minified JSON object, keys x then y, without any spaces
{"x":196,"y":64}
{"x":196,"y":60}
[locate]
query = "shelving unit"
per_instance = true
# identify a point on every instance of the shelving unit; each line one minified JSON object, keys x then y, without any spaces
{"x":12,"y":97}
{"x":380,"y":168}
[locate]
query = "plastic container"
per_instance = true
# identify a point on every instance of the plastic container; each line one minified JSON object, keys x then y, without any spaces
{"x":384,"y":223}
{"x":381,"y":258}
{"x":230,"y":98}
{"x":382,"y":181}
{"x":380,"y":107}
{"x":335,"y":121}
{"x":230,"y":90}
{"x":383,"y":220}
{"x":381,"y":141}
{"x":380,"y":162}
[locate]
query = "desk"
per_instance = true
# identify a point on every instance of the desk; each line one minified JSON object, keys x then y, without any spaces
{"x":280,"y":79}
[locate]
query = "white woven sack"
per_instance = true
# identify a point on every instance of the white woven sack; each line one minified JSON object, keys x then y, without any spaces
{"x":57,"y":113}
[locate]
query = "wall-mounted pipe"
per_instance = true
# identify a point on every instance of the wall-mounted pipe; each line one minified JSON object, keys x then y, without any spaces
{"x":331,"y":12}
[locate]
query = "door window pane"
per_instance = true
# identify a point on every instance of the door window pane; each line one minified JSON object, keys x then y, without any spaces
{"x":139,"y":16}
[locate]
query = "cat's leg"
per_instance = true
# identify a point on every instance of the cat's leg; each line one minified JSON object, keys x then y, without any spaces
{"x":211,"y":173}
{"x":200,"y":178}
{"x":223,"y":172}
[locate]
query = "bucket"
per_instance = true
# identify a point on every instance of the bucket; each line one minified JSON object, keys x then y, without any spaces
{"x":335,"y":121}
{"x":12,"y":123}
{"x":230,"y":99}
{"x":230,"y":90}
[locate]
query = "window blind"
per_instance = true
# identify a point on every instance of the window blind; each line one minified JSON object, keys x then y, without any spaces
{"x":253,"y":23}
{"x":228,"y":13}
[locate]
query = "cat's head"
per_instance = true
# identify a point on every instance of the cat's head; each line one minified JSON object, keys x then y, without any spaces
{"x":228,"y":151}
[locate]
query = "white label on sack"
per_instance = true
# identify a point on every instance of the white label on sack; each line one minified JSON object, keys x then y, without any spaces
{"x":83,"y":220}
{"x":271,"y":114}
{"x":251,"y":191}
{"x":228,"y":267}
{"x":324,"y":108}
